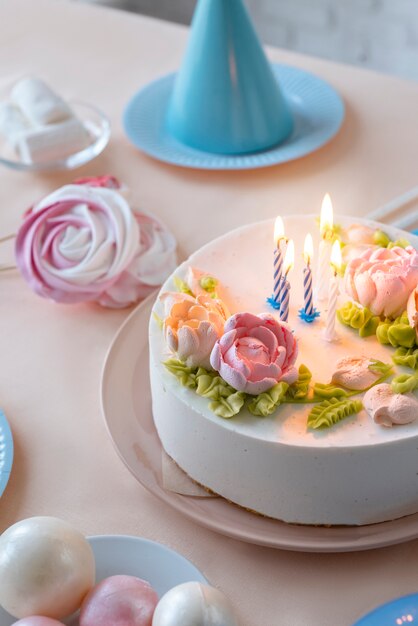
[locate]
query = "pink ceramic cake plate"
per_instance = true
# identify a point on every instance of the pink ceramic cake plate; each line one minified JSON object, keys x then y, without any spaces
{"x":126,"y":404}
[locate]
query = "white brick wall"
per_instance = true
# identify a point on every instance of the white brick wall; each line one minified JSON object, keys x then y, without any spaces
{"x":380,"y":34}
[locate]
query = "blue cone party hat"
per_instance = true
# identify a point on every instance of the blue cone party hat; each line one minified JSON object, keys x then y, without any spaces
{"x":226,"y":98}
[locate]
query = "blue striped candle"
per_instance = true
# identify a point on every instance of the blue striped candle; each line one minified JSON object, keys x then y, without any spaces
{"x":284,"y":300}
{"x":307,"y":275}
{"x":307,"y":290}
{"x":278,"y":271}
{"x":279,"y":240}
{"x":284,"y":296}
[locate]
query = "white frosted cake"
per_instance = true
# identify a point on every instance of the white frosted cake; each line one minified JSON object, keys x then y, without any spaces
{"x":332,"y":438}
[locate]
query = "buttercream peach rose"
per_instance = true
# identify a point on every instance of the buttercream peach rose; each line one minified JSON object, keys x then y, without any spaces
{"x":83,"y":242}
{"x":193,"y":325}
{"x":382,"y":279}
{"x":255,"y":352}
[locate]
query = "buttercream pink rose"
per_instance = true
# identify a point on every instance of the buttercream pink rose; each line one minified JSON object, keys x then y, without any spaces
{"x":255,"y":352}
{"x":193,"y":325}
{"x":83,"y":242}
{"x":383,"y":279}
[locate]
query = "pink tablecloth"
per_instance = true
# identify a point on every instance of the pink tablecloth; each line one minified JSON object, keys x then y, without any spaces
{"x":52,"y":355}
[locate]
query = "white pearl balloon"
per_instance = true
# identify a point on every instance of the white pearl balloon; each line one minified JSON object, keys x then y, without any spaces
{"x":194,"y":604}
{"x":46,"y":568}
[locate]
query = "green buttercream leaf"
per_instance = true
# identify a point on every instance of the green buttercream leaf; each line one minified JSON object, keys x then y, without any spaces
{"x":405,"y":383}
{"x":397,"y":332}
{"x":401,"y":243}
{"x":359,"y":318}
{"x":209,"y":283}
{"x":330,"y":412}
{"x":226,"y":401}
{"x":211,"y":385}
{"x":228,"y":407}
{"x":329,"y":391}
{"x":300,"y":389}
{"x":401,"y":334}
{"x":407,"y":357}
{"x":158,"y":319}
{"x":185,"y":374}
{"x":382,"y":333}
{"x":265,"y":403}
{"x":182,"y":286}
{"x":383,"y":369}
{"x":380,"y":238}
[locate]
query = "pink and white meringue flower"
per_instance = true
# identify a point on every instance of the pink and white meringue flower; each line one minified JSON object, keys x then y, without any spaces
{"x":255,"y":352}
{"x":387,"y":408}
{"x":84,"y":243}
{"x":192,"y":326}
{"x":382,"y":279}
{"x":155,"y":259}
{"x":354,"y":373}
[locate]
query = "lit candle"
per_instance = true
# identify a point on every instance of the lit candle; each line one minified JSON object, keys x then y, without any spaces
{"x":307,"y":276}
{"x":325,"y":227}
{"x":280,"y":242}
{"x":284,"y":296}
{"x":333,"y":292}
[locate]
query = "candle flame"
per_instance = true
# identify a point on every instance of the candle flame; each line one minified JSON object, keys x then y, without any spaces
{"x":336,"y":260}
{"x":308,"y":249}
{"x":327,"y":218}
{"x":289,"y":257}
{"x":278,"y":230}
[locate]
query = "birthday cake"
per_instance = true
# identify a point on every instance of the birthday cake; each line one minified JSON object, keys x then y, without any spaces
{"x":309,"y":421}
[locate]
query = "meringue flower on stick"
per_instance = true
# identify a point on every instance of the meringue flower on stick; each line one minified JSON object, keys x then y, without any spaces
{"x":255,"y":352}
{"x":382,"y":279}
{"x":192,"y":326}
{"x":84,"y":243}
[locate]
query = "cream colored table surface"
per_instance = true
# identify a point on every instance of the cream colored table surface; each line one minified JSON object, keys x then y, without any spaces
{"x":51,"y":356}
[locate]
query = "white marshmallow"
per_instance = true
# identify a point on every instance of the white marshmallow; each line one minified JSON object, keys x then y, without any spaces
{"x":39,"y":103}
{"x":12,"y":122}
{"x":55,"y":141}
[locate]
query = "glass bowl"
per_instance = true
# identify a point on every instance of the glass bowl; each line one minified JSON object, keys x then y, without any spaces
{"x":98,"y":128}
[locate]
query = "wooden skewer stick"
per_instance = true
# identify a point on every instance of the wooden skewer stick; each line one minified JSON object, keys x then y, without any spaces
{"x":7,"y":237}
{"x":7,"y":268}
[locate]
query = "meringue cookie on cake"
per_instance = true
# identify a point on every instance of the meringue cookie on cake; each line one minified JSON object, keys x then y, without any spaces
{"x":352,"y":372}
{"x":388,"y":408}
{"x":194,"y":604}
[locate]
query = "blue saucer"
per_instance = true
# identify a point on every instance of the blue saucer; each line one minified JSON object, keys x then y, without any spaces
{"x":6,"y":452}
{"x":403,"y":611}
{"x":317,"y":109}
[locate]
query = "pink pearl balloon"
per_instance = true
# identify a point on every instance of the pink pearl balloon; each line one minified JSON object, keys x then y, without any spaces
{"x":119,"y":601}
{"x":37,"y":620}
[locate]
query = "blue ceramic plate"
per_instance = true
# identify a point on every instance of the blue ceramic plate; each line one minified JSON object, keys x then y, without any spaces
{"x":402,"y":612}
{"x":6,"y":452}
{"x":317,"y":109}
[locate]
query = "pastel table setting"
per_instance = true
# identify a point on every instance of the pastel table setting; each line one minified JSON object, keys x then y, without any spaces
{"x":64,"y":462}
